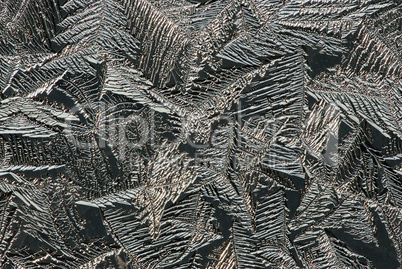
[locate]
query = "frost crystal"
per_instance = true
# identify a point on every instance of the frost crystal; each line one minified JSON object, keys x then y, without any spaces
{"x":200,"y":134}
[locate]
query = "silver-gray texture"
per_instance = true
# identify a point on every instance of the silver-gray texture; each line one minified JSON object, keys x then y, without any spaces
{"x":200,"y":134}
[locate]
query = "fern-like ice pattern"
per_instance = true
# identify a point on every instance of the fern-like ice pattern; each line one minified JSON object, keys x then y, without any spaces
{"x":200,"y":134}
